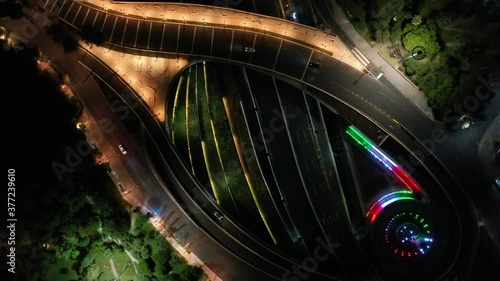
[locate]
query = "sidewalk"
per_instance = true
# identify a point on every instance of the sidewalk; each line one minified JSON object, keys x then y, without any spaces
{"x":184,"y":251}
{"x":376,"y":64}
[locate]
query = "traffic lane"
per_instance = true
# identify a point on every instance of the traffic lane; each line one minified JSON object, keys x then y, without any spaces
{"x":81,"y":15}
{"x":131,"y":163}
{"x":91,"y":17}
{"x":203,"y":41}
{"x":109,"y":23}
{"x":143,"y":35}
{"x":292,"y":59}
{"x":266,"y":49}
{"x":286,"y":168}
{"x":333,"y":73}
{"x":119,"y":31}
{"x":320,"y":133}
{"x":267,"y":172}
{"x":130,"y":32}
{"x":63,"y":9}
{"x":222,"y":43}
{"x":170,"y":37}
{"x":315,"y":185}
{"x":338,"y":216}
{"x":187,"y":187}
{"x":242,"y":39}
{"x":421,"y":128}
{"x":156,"y":35}
{"x":294,"y":103}
{"x":99,"y":20}
{"x":186,"y":37}
{"x":72,"y":12}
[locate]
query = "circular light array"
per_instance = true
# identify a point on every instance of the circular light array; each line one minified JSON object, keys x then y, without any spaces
{"x":408,"y":235}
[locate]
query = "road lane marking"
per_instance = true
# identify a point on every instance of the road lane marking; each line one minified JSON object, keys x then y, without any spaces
{"x":231,"y":45}
{"x":76,"y":15}
{"x":85,"y":18}
{"x":113,"y":29}
{"x":162,"y":36}
{"x":137,"y":33}
{"x":124,"y":31}
{"x":178,"y":36}
{"x":149,"y":35}
{"x":278,"y":54}
{"x":307,"y":64}
{"x":67,"y":12}
{"x":95,"y":18}
{"x":104,"y":22}
{"x":194,"y":39}
{"x":212,"y":41}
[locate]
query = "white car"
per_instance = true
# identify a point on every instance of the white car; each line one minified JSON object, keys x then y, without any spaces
{"x":249,"y":50}
{"x":218,"y":215}
{"x":122,"y":149}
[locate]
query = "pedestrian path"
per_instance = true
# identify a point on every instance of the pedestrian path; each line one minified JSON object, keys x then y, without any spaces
{"x":115,"y":273}
{"x":184,"y":251}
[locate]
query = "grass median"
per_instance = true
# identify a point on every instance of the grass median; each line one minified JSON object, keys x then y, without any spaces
{"x":212,"y":161}
{"x":178,"y":123}
{"x":193,"y":128}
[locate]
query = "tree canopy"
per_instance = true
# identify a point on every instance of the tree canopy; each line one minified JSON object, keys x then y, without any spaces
{"x":421,"y":35}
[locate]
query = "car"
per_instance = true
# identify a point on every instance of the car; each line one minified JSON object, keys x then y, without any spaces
{"x":314,"y":64}
{"x":249,"y":50}
{"x":122,"y":149}
{"x":497,"y":183}
{"x":218,"y":215}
